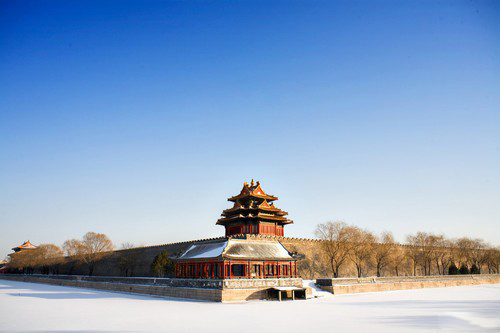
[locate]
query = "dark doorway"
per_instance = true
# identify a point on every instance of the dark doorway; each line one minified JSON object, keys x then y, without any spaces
{"x":238,"y":270}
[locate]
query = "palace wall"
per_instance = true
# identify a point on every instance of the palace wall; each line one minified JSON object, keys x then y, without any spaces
{"x":129,"y":262}
{"x":363,"y":285}
{"x":137,"y":262}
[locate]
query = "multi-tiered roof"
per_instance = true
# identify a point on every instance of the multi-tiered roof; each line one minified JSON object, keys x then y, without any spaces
{"x":254,"y":212}
{"x":25,"y":246}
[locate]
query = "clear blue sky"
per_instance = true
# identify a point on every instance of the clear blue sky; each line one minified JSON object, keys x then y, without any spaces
{"x":139,"y":118}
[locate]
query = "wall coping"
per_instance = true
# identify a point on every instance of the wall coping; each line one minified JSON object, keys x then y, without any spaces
{"x":170,"y":282}
{"x":396,"y":279}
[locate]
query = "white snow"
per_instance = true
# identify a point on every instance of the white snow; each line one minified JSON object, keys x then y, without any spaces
{"x":316,"y":291}
{"x":30,"y":307}
{"x":209,"y":250}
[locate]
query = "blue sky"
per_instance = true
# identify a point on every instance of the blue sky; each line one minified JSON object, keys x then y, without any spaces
{"x":139,"y":118}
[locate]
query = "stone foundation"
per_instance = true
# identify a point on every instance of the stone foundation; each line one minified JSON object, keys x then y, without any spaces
{"x":201,"y":289}
{"x":362,"y":285}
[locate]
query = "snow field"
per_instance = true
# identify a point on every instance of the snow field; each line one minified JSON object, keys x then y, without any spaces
{"x":31,"y":307}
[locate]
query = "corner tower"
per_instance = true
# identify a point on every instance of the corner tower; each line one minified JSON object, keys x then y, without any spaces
{"x":254,"y":212}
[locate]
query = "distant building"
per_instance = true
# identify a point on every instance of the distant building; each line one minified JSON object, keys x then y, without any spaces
{"x":25,"y":246}
{"x":247,"y":251}
{"x":3,"y":267}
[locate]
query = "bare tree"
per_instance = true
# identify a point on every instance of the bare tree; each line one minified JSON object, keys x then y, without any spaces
{"x":442,"y":253}
{"x":128,"y":259}
{"x":72,"y":247}
{"x":398,"y":258}
{"x":421,"y":250}
{"x":412,"y":252}
{"x":92,"y":248}
{"x":24,"y":261}
{"x":307,"y":267}
{"x":479,"y":253}
{"x":337,"y":243}
{"x":383,"y":251}
{"x":361,"y":252}
{"x":492,"y":259}
{"x":472,"y":252}
{"x":48,"y":257}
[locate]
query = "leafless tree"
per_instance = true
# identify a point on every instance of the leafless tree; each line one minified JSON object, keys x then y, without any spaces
{"x":383,"y":251}
{"x":412,"y":252}
{"x":72,"y":247}
{"x":362,"y":249}
{"x":421,"y":250}
{"x":310,"y":266}
{"x":442,"y":253}
{"x":128,"y":259}
{"x":47,"y":257}
{"x":472,"y":251}
{"x":492,"y":259}
{"x":92,"y":248}
{"x":398,"y":259}
{"x":24,"y":261}
{"x":337,"y":243}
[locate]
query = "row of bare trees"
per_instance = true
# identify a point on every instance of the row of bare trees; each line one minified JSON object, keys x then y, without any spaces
{"x":47,"y":258}
{"x":424,"y":253}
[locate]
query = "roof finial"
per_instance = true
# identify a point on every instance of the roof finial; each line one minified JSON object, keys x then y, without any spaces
{"x":258,"y":183}
{"x":251,"y":183}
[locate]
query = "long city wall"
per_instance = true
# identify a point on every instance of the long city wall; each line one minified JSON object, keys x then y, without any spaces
{"x":142,"y":257}
{"x":362,"y":285}
{"x":136,"y":262}
{"x":200,"y":289}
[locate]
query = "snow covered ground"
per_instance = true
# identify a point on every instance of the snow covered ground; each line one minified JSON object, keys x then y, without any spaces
{"x":30,"y":307}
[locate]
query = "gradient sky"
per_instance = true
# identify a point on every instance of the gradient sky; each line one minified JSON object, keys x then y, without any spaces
{"x":139,"y":118}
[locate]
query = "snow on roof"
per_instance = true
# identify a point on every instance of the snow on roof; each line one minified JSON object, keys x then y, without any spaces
{"x":204,"y":250}
{"x":239,"y":249}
